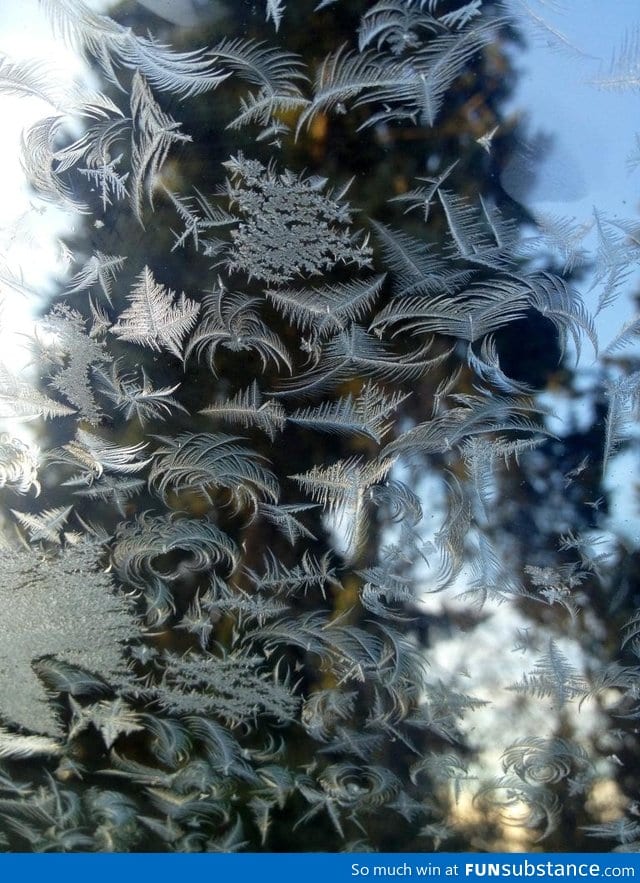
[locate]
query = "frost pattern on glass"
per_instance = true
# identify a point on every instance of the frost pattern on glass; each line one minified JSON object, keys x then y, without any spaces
{"x":211,"y":578}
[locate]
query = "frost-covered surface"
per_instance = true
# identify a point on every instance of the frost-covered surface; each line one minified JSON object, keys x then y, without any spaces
{"x":214,"y":573}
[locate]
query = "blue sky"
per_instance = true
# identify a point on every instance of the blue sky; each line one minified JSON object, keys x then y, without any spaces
{"x":594,"y":132}
{"x":593,"y":129}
